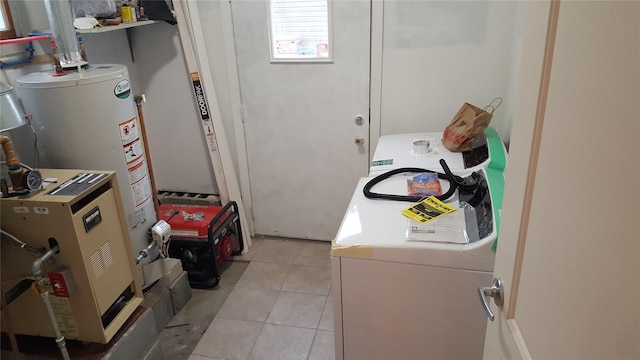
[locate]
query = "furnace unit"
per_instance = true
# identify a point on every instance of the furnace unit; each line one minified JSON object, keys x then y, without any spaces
{"x":93,"y":286}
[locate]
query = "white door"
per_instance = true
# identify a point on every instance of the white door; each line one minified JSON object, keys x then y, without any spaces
{"x":569,"y":248}
{"x":299,"y":120}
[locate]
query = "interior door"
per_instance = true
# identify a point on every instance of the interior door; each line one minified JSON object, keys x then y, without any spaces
{"x":299,"y":120}
{"x":569,"y":248}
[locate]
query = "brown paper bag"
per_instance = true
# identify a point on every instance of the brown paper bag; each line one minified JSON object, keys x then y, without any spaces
{"x":466,"y":124}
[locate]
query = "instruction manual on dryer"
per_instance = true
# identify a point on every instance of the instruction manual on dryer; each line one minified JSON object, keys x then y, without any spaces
{"x":427,"y":222}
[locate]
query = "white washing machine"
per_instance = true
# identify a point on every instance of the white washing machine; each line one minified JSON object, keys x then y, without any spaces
{"x":398,"y":295}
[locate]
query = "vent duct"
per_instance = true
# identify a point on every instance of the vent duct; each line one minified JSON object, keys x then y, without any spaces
{"x":64,"y":34}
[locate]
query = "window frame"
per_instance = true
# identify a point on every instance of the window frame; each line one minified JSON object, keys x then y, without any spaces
{"x":307,"y":60}
{"x":6,"y":13}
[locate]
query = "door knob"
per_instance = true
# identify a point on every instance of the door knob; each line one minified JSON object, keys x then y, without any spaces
{"x":495,"y":291}
{"x":359,"y":140}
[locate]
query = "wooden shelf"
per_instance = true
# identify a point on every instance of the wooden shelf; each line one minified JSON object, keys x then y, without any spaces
{"x":116,"y":27}
{"x":127,"y":27}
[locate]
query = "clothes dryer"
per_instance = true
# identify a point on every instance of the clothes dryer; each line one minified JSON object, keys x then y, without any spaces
{"x":398,"y":295}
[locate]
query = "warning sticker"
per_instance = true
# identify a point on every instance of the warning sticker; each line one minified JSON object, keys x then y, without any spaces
{"x":136,"y":218}
{"x":64,"y":316}
{"x":427,"y":210}
{"x":133,"y":151}
{"x":141,"y":191}
{"x":211,"y":141}
{"x":134,"y":156}
{"x":40,"y":210}
{"x":128,"y":131}
{"x":137,"y":172}
{"x":140,"y":184}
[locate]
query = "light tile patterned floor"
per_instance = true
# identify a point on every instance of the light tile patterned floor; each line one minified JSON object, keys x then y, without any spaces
{"x":279,"y":309}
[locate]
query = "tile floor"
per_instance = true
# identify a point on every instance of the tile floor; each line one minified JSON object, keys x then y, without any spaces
{"x":279,"y":308}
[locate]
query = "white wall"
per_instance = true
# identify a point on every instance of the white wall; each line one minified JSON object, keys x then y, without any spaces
{"x":438,"y":55}
{"x":178,"y":149}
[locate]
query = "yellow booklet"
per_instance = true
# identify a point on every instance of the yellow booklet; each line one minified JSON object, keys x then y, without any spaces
{"x":427,"y":210}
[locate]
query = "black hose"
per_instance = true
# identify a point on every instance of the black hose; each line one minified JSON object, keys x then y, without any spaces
{"x":454,"y":183}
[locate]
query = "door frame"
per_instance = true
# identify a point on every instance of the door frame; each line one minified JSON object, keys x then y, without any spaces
{"x":375,"y":74}
{"x":233,"y":83}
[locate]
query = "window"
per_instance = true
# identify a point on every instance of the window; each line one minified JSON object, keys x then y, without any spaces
{"x":299,"y":30}
{"x":7,"y":31}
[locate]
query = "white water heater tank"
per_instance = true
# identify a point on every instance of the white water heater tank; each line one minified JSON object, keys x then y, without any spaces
{"x":88,"y":120}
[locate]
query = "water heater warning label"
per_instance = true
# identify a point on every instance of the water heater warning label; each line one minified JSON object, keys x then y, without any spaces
{"x":128,"y":131}
{"x":140,"y":183}
{"x":133,"y":150}
{"x":136,"y":218}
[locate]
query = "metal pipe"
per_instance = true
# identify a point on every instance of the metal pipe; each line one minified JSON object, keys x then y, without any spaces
{"x":5,"y":64}
{"x":139,"y":99}
{"x":144,"y":252}
{"x":24,"y":39}
{"x":57,"y":65}
{"x":83,"y":52}
{"x":9,"y":152}
{"x":62,"y":345}
{"x":18,"y":241}
{"x":36,"y":270}
{"x":32,"y":37}
{"x":16,"y":173}
{"x":61,"y":20}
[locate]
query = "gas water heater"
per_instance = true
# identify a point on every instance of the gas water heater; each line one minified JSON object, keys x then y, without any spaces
{"x":87,"y":120}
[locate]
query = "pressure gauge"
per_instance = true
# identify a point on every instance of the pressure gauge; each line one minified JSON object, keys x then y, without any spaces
{"x":34,"y":179}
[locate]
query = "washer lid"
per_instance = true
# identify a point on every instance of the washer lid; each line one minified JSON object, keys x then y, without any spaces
{"x":411,"y":150}
{"x":96,"y":73}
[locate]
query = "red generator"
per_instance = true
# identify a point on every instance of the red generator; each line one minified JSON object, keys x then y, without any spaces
{"x":202,"y":237}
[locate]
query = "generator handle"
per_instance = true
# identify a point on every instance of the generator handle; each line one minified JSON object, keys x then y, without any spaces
{"x":234,"y":210}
